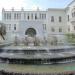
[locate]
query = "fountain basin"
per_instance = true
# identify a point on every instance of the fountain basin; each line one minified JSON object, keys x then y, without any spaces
{"x":37,"y":55}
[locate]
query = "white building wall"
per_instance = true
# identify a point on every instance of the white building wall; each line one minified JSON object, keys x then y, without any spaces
{"x":69,"y":10}
{"x":56,"y":24}
{"x":37,"y":25}
{"x":23,"y":23}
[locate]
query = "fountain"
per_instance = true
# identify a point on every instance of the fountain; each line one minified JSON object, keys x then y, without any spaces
{"x":31,"y":55}
{"x":32,"y":50}
{"x":36,"y":50}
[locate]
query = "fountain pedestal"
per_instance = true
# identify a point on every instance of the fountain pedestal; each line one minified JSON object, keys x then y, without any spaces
{"x":30,"y":41}
{"x":31,"y":44}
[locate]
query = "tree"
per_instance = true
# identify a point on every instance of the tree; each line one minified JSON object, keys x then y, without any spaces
{"x":2,"y":30}
{"x":70,"y":37}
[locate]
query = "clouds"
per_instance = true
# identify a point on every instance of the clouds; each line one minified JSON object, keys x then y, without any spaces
{"x":17,"y":4}
{"x":30,"y":4}
{"x":7,"y":4}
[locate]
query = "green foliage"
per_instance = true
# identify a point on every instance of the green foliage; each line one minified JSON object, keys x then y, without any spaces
{"x":2,"y":30}
{"x":70,"y":37}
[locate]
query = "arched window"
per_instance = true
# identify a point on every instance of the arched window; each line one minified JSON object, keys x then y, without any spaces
{"x":30,"y":32}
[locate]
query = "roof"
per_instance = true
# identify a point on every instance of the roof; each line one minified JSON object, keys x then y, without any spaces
{"x":56,"y":9}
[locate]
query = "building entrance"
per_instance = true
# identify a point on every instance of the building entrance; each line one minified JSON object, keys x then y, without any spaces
{"x":30,"y":32}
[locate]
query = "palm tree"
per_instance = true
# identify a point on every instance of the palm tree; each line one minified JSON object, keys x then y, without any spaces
{"x":2,"y":30}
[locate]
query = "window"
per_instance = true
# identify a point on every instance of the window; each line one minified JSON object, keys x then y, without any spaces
{"x":4,"y":15}
{"x":52,"y":18}
{"x":28,"y":17}
{"x":43,"y":16}
{"x":60,"y":29}
{"x":7,"y":16}
{"x":24,"y":15}
{"x":14,"y":26}
{"x":35,"y":16}
{"x":31,"y":16}
{"x":17,"y":15}
{"x":40,"y":16}
{"x":68,"y":17}
{"x":52,"y":29}
{"x":60,"y":19}
{"x":74,"y":27}
{"x":9,"y":26}
{"x":72,"y":15}
{"x":44,"y":26}
{"x":69,"y":29}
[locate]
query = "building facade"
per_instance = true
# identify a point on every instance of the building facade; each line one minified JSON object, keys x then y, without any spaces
{"x":49,"y":24}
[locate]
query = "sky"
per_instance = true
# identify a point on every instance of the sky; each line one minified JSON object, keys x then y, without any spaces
{"x":32,"y":4}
